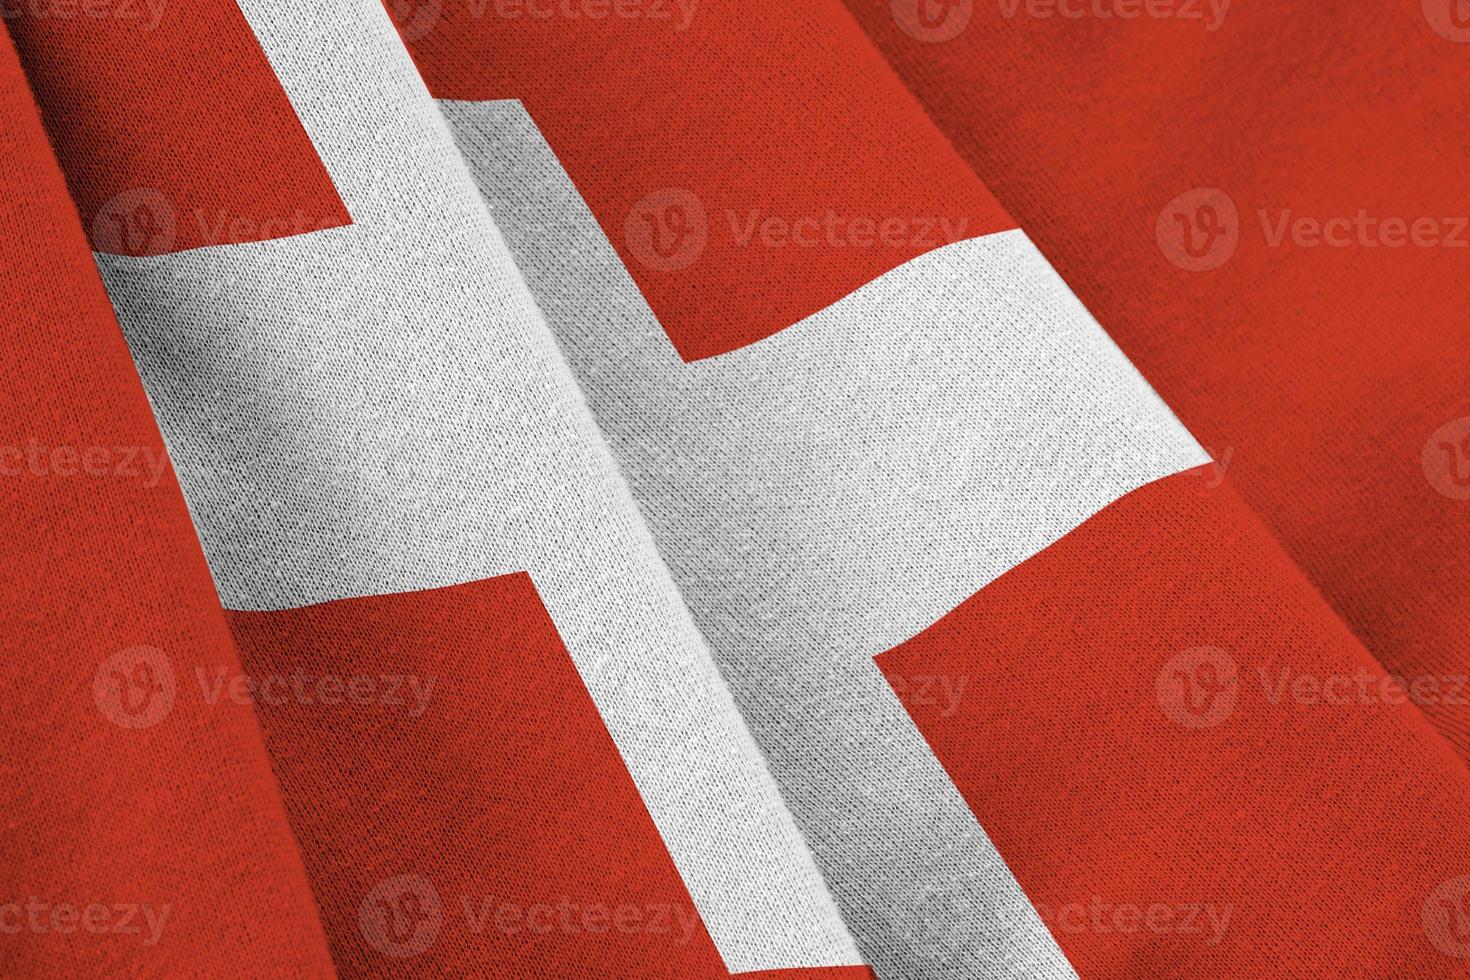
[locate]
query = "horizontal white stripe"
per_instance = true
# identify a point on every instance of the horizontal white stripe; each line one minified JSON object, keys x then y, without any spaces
{"x":827,"y":493}
{"x":380,"y":408}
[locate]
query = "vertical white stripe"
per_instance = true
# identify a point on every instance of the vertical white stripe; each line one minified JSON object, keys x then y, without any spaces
{"x":380,"y":408}
{"x":828,"y":492}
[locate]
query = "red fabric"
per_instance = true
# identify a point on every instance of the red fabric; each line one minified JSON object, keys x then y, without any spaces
{"x":1159,"y":717}
{"x":812,"y":973}
{"x":1322,"y":376}
{"x":480,"y":822}
{"x":174,"y":134}
{"x":781,"y":113}
{"x":120,"y":794}
{"x":1123,"y":712}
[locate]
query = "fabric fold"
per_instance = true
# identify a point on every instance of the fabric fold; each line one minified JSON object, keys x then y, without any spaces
{"x":144,"y":833}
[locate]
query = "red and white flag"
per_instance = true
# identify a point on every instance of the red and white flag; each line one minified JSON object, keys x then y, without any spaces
{"x":666,"y":489}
